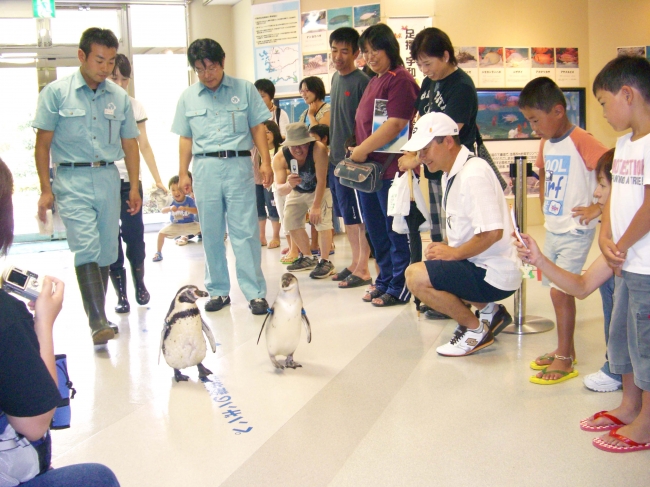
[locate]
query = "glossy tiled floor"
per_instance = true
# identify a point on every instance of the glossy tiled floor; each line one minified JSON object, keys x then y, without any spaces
{"x":373,"y":404}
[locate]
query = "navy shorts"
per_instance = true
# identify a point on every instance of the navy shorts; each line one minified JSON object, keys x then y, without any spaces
{"x":464,"y":280}
{"x":345,"y":200}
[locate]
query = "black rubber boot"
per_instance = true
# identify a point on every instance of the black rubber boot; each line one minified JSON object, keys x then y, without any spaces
{"x":104,"y":273}
{"x":118,"y":278}
{"x":141,"y":293}
{"x":93,"y":295}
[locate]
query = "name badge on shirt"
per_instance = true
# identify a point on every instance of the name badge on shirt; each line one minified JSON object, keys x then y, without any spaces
{"x":110,"y":109}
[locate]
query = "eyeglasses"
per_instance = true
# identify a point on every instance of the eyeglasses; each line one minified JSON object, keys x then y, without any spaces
{"x":371,"y":52}
{"x":210,"y":69}
{"x":302,"y":92}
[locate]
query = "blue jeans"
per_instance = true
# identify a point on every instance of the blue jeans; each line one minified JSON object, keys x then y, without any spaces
{"x":607,"y":296}
{"x":629,"y":344}
{"x":391,"y":249}
{"x":81,"y":475}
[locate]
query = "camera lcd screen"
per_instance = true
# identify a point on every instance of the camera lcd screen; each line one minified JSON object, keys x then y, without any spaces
{"x":18,"y":278}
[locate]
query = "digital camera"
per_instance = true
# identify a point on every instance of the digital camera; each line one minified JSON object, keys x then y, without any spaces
{"x":23,"y":283}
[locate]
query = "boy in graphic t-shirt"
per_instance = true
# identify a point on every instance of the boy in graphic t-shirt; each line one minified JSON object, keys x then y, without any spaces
{"x":623,"y":89}
{"x":183,"y":218}
{"x":566,"y":160}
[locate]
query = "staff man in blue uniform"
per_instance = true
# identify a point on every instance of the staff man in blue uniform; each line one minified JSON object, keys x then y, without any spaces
{"x":218,"y":120}
{"x":86,"y":123}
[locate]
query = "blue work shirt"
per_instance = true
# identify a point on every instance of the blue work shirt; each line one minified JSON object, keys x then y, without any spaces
{"x":88,"y":126}
{"x":220,"y":120}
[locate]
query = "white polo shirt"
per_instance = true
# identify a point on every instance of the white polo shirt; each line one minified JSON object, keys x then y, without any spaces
{"x":475,"y":203}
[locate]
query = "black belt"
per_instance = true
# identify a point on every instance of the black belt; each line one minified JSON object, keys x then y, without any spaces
{"x":84,"y":164}
{"x":227,"y":153}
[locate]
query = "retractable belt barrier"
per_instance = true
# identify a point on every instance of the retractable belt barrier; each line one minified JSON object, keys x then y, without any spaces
{"x":522,"y":324}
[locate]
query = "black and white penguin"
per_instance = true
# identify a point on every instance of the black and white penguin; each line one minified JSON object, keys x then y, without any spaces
{"x":181,"y":342}
{"x":285,"y":317}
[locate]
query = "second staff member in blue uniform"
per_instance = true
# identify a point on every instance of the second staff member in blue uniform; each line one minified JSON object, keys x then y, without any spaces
{"x":218,"y":120}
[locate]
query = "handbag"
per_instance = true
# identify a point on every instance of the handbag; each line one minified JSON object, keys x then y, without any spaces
{"x":362,"y":176}
{"x":61,"y":418}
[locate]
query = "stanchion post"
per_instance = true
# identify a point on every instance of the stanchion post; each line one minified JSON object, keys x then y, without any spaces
{"x":524,"y":325}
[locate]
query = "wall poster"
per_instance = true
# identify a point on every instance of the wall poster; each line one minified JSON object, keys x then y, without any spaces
{"x":276,"y":44}
{"x":405,"y":29}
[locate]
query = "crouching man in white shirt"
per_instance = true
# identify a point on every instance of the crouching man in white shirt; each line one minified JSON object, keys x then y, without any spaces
{"x":478,"y":264}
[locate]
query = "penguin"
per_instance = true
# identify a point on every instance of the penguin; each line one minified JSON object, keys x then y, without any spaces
{"x":181,"y":341}
{"x":285,"y":317}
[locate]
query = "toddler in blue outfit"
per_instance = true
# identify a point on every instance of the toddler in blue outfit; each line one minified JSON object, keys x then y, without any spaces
{"x":183,"y":218}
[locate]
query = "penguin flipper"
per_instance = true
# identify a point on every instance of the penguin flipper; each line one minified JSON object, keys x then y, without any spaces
{"x":269,"y":314}
{"x":163,"y":335}
{"x":208,"y":333}
{"x":305,"y":322}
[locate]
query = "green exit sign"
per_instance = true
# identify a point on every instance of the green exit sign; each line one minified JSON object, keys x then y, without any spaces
{"x":43,"y":9}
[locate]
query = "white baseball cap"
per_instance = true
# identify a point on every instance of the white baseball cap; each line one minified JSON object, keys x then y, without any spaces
{"x":435,"y":124}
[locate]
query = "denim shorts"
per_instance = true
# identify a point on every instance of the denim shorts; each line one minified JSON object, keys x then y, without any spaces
{"x":568,"y":250}
{"x":628,"y":348}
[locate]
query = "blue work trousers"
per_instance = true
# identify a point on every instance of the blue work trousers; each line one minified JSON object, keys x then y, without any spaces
{"x":225,"y":193}
{"x":88,"y":201}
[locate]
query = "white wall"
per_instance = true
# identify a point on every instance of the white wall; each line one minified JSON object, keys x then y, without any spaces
{"x":16,"y":9}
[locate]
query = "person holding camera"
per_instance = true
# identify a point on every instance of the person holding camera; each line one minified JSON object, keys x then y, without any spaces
{"x":306,"y":190}
{"x":84,"y":124}
{"x":28,"y":380}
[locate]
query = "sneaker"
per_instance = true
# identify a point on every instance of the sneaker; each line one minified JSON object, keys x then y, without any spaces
{"x":497,"y":320}
{"x":601,"y":382}
{"x":323,"y":269}
{"x":215,"y":304}
{"x":259,"y":306}
{"x":465,"y":342}
{"x":303,"y":264}
{"x":157,"y":257}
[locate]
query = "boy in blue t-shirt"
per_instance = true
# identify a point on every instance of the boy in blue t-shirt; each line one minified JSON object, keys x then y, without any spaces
{"x":183,"y":218}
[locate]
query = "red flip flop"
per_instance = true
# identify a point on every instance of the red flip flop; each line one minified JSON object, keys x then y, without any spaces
{"x":616,"y":423}
{"x":631,"y":444}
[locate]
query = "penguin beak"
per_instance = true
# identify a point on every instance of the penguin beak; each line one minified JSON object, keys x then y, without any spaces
{"x":201,"y":294}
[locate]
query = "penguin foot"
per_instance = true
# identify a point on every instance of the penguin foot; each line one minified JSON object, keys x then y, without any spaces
{"x":290,"y":364}
{"x":277,"y":364}
{"x":180,"y":377}
{"x":203,"y":372}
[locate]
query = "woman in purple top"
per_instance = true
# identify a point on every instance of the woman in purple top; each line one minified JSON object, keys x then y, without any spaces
{"x":396,"y":87}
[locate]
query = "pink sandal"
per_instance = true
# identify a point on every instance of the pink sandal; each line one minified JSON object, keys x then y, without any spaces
{"x":616,"y":423}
